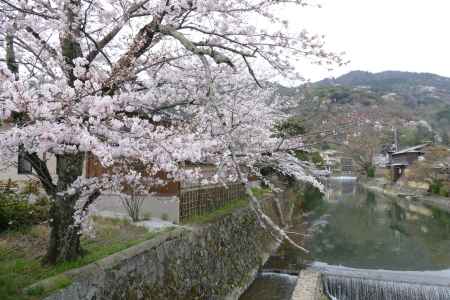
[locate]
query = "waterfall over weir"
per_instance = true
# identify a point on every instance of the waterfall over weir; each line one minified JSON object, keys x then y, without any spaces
{"x":351,"y":288}
{"x":343,"y":283}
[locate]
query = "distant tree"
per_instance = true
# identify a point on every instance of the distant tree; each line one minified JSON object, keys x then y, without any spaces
{"x":363,"y":145}
{"x":133,"y":193}
{"x":292,"y":127}
{"x":445,"y":139}
{"x":429,"y":169}
{"x":415,"y":135}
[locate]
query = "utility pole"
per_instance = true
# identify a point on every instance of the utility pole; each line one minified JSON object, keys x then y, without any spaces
{"x":396,"y":144}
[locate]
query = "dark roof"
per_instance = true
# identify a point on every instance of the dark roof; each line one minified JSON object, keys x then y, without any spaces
{"x":415,"y":149}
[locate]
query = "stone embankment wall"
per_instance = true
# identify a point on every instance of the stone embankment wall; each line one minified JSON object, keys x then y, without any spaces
{"x":394,"y":192}
{"x":214,"y":261}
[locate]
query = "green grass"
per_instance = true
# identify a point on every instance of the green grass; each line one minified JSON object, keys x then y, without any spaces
{"x":260,"y":192}
{"x":229,"y":208}
{"x":22,"y":251}
{"x":55,"y":283}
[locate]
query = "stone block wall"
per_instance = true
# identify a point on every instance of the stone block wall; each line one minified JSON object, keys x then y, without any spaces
{"x":215,"y":261}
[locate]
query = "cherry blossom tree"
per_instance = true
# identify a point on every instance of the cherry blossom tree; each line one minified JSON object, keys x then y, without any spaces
{"x":159,"y":82}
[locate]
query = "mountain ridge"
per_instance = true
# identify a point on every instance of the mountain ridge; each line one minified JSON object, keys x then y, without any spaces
{"x":391,"y":79}
{"x":397,"y":97}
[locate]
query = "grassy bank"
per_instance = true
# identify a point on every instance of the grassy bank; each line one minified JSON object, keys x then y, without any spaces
{"x":21,"y":253}
{"x":210,"y":217}
{"x":228,"y":208}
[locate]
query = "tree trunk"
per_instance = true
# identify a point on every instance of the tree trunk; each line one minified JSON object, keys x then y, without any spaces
{"x":64,"y":241}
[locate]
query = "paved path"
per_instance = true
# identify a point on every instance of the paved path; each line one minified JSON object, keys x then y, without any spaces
{"x":308,"y":286}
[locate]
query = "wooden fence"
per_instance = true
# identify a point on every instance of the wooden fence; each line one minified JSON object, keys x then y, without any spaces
{"x":8,"y":186}
{"x":197,"y":201}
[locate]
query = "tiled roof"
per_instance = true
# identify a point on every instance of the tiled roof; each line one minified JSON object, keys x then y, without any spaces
{"x":411,"y":149}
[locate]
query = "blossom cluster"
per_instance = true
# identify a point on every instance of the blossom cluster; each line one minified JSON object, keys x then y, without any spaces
{"x":160,"y":82}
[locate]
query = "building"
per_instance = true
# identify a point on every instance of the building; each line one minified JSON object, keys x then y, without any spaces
{"x":399,"y":161}
{"x":346,"y":165}
{"x":19,"y":170}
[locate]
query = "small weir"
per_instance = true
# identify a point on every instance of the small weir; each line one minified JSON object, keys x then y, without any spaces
{"x":351,"y":288}
{"x":362,"y":284}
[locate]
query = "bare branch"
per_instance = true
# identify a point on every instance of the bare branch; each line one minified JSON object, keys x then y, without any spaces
{"x":30,"y":11}
{"x":250,"y":70}
{"x":43,"y":43}
{"x":36,"y":55}
{"x":218,"y":57}
{"x":98,"y":49}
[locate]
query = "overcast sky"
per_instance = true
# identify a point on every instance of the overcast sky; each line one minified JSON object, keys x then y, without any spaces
{"x":378,"y":35}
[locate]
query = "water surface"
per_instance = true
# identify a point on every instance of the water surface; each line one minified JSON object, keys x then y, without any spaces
{"x":271,"y":286}
{"x":353,"y":227}
{"x":357,"y":228}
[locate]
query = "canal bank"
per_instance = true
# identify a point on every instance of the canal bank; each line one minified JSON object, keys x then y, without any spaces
{"x":379,"y":186}
{"x":362,"y":230}
{"x":214,"y":260}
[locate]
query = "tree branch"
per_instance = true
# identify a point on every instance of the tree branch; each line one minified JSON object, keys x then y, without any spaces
{"x":44,"y":44}
{"x":112,"y":34}
{"x":98,"y":49}
{"x":11,"y":62}
{"x":121,"y":69}
{"x":42,"y":171}
{"x":250,"y":70}
{"x":70,"y":38}
{"x":218,"y":57}
{"x":30,"y":11}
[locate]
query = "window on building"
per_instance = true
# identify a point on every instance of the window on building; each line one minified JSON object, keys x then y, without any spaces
{"x":23,"y":165}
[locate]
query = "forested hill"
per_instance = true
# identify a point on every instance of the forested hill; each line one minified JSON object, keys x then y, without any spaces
{"x":417,"y":87}
{"x":398,"y":99}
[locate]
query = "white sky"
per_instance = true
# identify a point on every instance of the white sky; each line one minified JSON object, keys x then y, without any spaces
{"x":379,"y":35}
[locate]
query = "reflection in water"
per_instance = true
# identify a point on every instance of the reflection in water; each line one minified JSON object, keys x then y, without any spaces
{"x":352,"y":227}
{"x":271,"y":286}
{"x":365,"y":230}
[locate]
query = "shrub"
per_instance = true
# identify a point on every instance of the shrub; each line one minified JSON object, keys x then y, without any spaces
{"x":301,"y":155}
{"x":312,"y":198}
{"x":165,"y":217}
{"x":17,"y":213}
{"x":444,"y":191}
{"x":147,"y":216}
{"x":371,"y":172}
{"x":259,"y":192}
{"x":317,"y":159}
{"x":435,"y":187}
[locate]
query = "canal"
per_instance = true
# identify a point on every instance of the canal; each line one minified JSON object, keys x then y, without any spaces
{"x":352,"y":227}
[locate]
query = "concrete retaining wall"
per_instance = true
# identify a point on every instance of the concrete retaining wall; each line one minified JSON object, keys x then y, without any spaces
{"x":309,"y":286}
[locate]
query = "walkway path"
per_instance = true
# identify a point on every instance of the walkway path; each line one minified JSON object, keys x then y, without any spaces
{"x":408,"y":194}
{"x":308,"y":286}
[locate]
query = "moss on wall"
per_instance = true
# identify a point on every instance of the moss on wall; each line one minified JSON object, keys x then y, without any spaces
{"x":212,"y":261}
